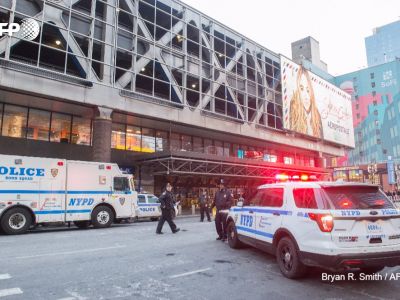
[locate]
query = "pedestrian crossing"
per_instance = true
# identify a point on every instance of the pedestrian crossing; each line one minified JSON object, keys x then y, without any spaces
{"x":9,"y":291}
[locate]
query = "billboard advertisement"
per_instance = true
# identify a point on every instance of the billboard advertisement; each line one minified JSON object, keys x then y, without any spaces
{"x":315,"y":107}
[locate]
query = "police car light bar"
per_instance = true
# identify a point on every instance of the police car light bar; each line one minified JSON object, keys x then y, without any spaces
{"x":282,"y":177}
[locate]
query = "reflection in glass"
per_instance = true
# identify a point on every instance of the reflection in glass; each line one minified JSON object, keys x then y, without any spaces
{"x":148,"y":140}
{"x":60,"y":128}
{"x":81,"y":131}
{"x":133,"y":138}
{"x":118,"y":136}
{"x":14,"y":121}
{"x":38,"y":125}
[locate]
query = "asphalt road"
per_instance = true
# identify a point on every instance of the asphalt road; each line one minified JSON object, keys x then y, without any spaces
{"x":129,"y":261}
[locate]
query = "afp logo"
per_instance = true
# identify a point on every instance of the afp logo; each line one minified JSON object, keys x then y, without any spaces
{"x":28,"y":30}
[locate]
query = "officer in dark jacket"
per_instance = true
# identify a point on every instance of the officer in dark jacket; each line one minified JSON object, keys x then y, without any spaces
{"x":167,"y":201}
{"x":204,"y":201}
{"x":222,"y":201}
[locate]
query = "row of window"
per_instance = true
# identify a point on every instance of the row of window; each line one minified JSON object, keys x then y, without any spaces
{"x":35,"y":124}
{"x":139,"y":139}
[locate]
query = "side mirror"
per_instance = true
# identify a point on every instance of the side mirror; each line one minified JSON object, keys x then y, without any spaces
{"x":240,"y":204}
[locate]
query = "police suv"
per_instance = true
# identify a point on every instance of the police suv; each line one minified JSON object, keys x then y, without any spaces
{"x":45,"y":190}
{"x":336,"y":226}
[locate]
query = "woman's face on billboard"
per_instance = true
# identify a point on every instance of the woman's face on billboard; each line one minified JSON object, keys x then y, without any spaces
{"x":305,"y":92}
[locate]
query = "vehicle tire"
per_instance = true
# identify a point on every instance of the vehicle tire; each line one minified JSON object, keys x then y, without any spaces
{"x":154,"y":219}
{"x":16,"y":221}
{"x":233,"y":239}
{"x":288,"y":259}
{"x":102,"y":217}
{"x":82,"y":224}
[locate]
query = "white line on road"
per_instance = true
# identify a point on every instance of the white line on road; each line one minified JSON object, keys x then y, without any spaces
{"x":4,"y":276}
{"x":190,"y":273}
{"x":71,"y":252}
{"x":9,"y":292}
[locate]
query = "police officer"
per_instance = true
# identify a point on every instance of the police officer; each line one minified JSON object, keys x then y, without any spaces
{"x":222,"y":201}
{"x":204,"y":206}
{"x":167,"y":201}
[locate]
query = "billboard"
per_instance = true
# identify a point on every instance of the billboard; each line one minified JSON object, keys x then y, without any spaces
{"x":315,"y":107}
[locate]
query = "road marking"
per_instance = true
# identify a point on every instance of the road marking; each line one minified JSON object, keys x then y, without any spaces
{"x":9,"y":292}
{"x":4,"y":276}
{"x":71,"y":252}
{"x":190,"y":273}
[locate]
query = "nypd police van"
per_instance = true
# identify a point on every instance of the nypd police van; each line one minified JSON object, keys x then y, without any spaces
{"x":336,"y":226}
{"x":148,"y":206}
{"x":44,"y":190}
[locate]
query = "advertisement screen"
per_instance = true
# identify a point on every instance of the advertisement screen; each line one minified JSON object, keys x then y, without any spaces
{"x":315,"y":107}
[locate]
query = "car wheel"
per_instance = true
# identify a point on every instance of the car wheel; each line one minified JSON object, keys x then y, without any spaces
{"x":233,"y":239}
{"x":102,"y":217}
{"x":16,"y":221}
{"x":288,"y":259}
{"x":82,"y":224}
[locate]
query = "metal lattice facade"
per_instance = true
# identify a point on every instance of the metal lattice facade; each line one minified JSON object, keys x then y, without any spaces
{"x":162,"y":49}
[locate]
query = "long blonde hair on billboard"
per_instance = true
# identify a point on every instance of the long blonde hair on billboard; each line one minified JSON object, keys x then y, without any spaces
{"x":298,"y":114}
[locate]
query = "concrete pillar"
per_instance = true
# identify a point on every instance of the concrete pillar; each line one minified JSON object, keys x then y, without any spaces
{"x":102,"y":135}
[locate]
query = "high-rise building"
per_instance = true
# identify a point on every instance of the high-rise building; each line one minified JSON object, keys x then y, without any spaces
{"x":308,"y":49}
{"x":384,"y":44}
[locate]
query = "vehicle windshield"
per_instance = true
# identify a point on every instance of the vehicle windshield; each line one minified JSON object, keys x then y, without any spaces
{"x":357,"y":197}
{"x":152,"y":199}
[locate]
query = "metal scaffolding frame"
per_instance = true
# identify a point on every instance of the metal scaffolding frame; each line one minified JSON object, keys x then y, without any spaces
{"x":186,"y":166}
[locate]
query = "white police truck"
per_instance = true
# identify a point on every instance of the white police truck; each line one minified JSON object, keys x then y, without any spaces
{"x":44,"y":190}
{"x":336,"y":226}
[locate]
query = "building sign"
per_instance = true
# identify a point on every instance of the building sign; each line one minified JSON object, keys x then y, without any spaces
{"x":390,"y":169}
{"x":314,"y":107}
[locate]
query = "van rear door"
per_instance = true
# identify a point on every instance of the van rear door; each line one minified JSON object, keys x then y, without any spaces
{"x":363,"y":216}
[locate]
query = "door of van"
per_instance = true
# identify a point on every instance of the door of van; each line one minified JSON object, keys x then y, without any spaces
{"x":51,"y":206}
{"x":122,"y":197}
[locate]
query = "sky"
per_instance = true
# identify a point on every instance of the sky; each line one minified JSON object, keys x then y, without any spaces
{"x":340,"y":26}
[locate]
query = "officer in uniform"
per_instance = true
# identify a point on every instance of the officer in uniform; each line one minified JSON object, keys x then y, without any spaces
{"x":204,"y":206}
{"x":167,"y":201}
{"x":222,"y":201}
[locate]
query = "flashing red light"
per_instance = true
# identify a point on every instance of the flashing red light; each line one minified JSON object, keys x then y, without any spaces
{"x":312,"y":177}
{"x":304,"y":177}
{"x":345,"y":203}
{"x":353,"y":262}
{"x":60,"y":164}
{"x":108,"y":167}
{"x":282,"y":177}
{"x":380,"y":202}
{"x":295,"y":177}
{"x":324,"y":221}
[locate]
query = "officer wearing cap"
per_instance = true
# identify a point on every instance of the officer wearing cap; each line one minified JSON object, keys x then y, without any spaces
{"x":222,"y":201}
{"x":167,"y":201}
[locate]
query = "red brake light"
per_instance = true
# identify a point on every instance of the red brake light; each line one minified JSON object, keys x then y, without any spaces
{"x":324,"y":221}
{"x":60,"y":163}
{"x":304,"y":177}
{"x":380,"y":202}
{"x":345,"y":203}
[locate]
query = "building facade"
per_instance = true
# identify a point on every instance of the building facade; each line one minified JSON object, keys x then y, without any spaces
{"x":155,"y":86}
{"x":384,"y":44}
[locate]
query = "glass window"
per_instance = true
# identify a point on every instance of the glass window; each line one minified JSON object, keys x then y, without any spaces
{"x":121,"y":184}
{"x":162,"y":143}
{"x":187,"y":143}
{"x":152,"y":199}
{"x":141,"y":199}
{"x":148,"y":140}
{"x":81,"y":131}
{"x":198,"y":144}
{"x":118,"y":136}
{"x":288,"y":160}
{"x":38,"y":125}
{"x":304,"y":198}
{"x":60,"y":128}
{"x":1,"y":114}
{"x":175,"y":142}
{"x":133,"y":138}
{"x":271,"y":197}
{"x":208,"y":146}
{"x":227,"y":149}
{"x":219,"y":148}
{"x":14,"y":121}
